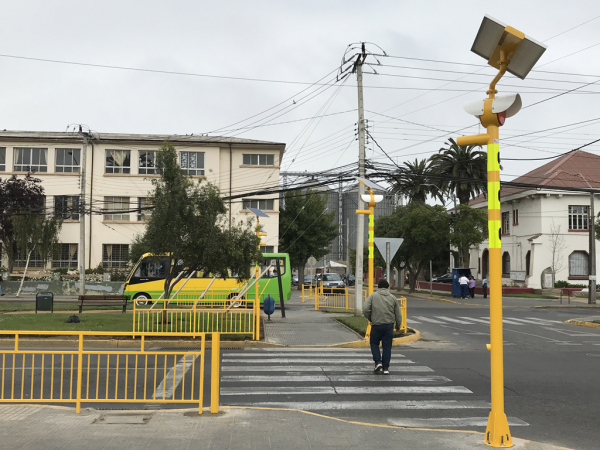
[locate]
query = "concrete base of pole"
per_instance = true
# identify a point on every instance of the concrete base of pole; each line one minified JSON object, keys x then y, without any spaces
{"x":497,"y":433}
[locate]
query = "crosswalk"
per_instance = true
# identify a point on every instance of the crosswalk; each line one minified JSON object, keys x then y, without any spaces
{"x":341,"y":382}
{"x":444,"y":320}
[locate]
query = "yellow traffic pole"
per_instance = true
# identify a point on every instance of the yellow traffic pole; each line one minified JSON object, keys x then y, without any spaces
{"x":497,"y":433}
{"x":256,"y":295}
{"x":371,"y":213}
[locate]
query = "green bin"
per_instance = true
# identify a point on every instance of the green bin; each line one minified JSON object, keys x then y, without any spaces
{"x":44,"y":301}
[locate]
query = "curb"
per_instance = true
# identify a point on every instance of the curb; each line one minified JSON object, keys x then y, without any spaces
{"x":582,"y":323}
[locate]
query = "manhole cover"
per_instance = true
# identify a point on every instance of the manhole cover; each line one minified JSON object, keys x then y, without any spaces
{"x":123,"y":419}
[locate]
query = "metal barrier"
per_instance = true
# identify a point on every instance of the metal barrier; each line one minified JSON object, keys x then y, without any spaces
{"x":308,"y":291}
{"x":103,"y":376}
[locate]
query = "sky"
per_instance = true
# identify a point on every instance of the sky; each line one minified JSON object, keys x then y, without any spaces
{"x":249,"y":68}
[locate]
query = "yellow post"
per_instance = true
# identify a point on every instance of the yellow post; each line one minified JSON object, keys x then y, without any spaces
{"x":497,"y":433}
{"x":346,"y":295}
{"x":215,"y":373}
{"x":79,"y":370}
{"x":371,"y":213}
{"x":316,"y":297}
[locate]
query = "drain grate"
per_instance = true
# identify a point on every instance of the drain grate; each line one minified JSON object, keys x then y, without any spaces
{"x":123,"y":419}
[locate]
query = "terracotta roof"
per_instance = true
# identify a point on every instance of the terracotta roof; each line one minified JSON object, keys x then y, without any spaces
{"x":560,"y":172}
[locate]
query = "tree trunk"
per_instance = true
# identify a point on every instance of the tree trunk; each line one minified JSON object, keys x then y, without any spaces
{"x":24,"y":272}
{"x":301,"y":274}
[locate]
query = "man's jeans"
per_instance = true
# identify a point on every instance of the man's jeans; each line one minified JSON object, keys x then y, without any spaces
{"x":464,"y":290}
{"x":384,"y":334}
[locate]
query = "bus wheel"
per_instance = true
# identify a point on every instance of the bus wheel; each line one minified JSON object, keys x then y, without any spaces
{"x":141,"y":299}
{"x":234,"y":303}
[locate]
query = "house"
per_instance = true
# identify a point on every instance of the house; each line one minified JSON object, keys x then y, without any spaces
{"x":119,"y":173}
{"x":542,"y":228}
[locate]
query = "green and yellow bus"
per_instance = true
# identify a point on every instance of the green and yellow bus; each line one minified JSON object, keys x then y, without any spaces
{"x":146,"y":280}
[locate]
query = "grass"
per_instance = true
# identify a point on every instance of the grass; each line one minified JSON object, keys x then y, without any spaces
{"x":595,"y":321}
{"x":338,"y":311}
{"x":359,"y":324}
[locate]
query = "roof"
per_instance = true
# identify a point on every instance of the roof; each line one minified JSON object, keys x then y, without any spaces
{"x":128,"y":137}
{"x":562,"y":172}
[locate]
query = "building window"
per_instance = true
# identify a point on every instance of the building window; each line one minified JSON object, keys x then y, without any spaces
{"x":528,"y":263}
{"x":115,"y":256}
{"x":66,"y":206}
{"x":192,"y":163}
{"x":116,"y":208}
{"x":2,"y":159}
{"x":259,"y":160}
{"x":515,"y":217}
{"x":64,"y":255}
{"x":264,"y":205}
{"x":147,"y":163}
{"x":30,"y":159}
{"x":578,"y":264}
{"x":267,"y":249}
{"x":35,"y":260}
{"x":578,"y":217}
{"x":118,"y":161}
{"x":506,"y":223}
{"x":506,"y":265}
{"x":144,"y":214}
{"x":67,"y":160}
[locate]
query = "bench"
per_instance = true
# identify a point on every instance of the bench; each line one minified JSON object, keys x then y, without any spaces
{"x":103,"y":300}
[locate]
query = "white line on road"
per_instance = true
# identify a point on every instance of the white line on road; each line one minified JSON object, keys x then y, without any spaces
{"x":451,"y":422}
{"x":449,"y":319}
{"x":533,"y":322}
{"x":544,"y":321}
{"x":371,"y":405}
{"x":487,"y":322}
{"x":357,"y":369}
{"x":335,"y":378}
{"x":412,"y":322}
{"x":511,"y":322}
{"x":291,"y":354}
{"x":311,"y":360}
{"x":179,"y":370}
{"x":343,"y":390}
{"x":427,"y":319}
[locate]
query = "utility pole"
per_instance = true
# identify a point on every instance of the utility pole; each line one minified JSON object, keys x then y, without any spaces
{"x":360,"y":221}
{"x":592,"y":245}
{"x":347,"y":246}
{"x":81,"y":249}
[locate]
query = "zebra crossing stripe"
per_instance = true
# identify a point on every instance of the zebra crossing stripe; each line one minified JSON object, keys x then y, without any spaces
{"x":487,"y":322}
{"x":356,"y":369}
{"x":294,"y":354}
{"x":311,"y":360}
{"x":335,"y":378}
{"x":449,"y":319}
{"x":343,"y":390}
{"x":451,"y":422}
{"x":511,"y":322}
{"x":412,"y":322}
{"x":371,"y":405}
{"x":544,"y":321}
{"x":525,"y":321}
{"x":427,"y":319}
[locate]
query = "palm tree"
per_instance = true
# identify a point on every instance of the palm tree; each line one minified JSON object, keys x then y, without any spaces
{"x":412,"y":180}
{"x":461,"y":161}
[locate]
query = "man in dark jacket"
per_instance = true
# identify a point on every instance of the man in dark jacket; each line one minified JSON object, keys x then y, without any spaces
{"x":382,"y":310}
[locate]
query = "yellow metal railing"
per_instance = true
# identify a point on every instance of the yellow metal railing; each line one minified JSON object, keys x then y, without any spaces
{"x":194,"y":320}
{"x":100,"y":376}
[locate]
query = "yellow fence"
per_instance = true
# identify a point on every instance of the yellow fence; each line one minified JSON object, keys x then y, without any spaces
{"x":103,"y":376}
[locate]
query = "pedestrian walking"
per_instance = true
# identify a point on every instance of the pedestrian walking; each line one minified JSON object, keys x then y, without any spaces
{"x":471,"y":285}
{"x":484,"y":286}
{"x":382,"y":310}
{"x":464,"y":286}
{"x":1,"y":293}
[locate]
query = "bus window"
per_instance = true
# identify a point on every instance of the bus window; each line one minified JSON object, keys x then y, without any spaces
{"x":272,"y":273}
{"x":150,"y":267}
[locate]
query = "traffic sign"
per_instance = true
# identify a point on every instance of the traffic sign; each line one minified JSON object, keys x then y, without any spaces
{"x":312,"y":262}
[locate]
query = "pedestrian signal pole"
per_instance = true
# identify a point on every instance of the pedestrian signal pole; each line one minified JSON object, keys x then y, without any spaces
{"x":500,"y":45}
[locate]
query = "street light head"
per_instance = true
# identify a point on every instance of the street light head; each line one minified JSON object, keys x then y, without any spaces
{"x":503,"y":106}
{"x":521,"y":51}
{"x":367,"y":198}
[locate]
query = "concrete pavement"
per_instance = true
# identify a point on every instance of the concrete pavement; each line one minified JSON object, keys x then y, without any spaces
{"x":54,"y":428}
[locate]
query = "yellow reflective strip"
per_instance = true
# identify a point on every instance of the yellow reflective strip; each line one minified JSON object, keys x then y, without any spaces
{"x":494,"y":233}
{"x":493,"y":190}
{"x":492,"y":158}
{"x":370,"y":251}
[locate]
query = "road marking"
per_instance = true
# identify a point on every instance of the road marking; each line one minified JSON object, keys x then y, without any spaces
{"x":526,"y":321}
{"x":544,"y":321}
{"x":426,"y":319}
{"x":451,"y":422}
{"x":412,"y":322}
{"x":487,"y":322}
{"x":305,"y":355}
{"x":357,"y":369}
{"x":336,"y":378}
{"x":449,"y":319}
{"x":302,"y":350}
{"x":371,"y":405}
{"x":179,"y":370}
{"x":343,"y":390}
{"x":511,"y":322}
{"x":312,"y":360}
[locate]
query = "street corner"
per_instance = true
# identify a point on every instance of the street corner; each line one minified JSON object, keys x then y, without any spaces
{"x":584,"y":322}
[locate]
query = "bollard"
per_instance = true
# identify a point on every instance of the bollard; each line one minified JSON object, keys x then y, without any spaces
{"x":215,"y":373}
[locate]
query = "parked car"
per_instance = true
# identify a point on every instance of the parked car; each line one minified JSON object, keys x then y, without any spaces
{"x":309,"y":279}
{"x":350,"y":279}
{"x":446,"y":278}
{"x":294,"y":279}
{"x":331,"y":281}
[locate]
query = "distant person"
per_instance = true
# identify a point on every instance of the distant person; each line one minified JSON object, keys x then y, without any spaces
{"x":382,"y":310}
{"x":1,"y":293}
{"x":464,"y":286}
{"x":472,"y":287}
{"x":484,"y":286}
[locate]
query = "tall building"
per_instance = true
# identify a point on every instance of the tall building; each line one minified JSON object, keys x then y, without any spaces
{"x":119,"y":173}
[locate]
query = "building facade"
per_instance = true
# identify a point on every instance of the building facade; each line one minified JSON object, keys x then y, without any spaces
{"x":545,"y":229}
{"x":118,"y":177}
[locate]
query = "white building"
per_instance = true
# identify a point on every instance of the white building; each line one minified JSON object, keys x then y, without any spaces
{"x":533,"y":219}
{"x":119,"y":173}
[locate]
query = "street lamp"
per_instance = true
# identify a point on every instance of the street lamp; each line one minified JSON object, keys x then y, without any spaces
{"x":258,"y":213}
{"x":592,"y":256}
{"x":506,"y":49}
{"x":371,"y":199}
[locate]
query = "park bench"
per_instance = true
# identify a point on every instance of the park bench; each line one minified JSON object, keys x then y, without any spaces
{"x":103,"y":300}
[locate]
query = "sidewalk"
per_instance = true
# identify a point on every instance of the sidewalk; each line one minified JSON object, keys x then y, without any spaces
{"x":46,"y":428}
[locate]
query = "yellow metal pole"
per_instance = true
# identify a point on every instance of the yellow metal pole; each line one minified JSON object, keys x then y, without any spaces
{"x":256,"y":295}
{"x":215,"y":372}
{"x":79,"y":370}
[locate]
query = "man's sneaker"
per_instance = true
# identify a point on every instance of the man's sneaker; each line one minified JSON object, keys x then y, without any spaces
{"x":386,"y":371}
{"x":378,"y":368}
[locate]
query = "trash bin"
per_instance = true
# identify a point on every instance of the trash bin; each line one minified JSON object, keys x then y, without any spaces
{"x":456,"y":274}
{"x":269,"y":306}
{"x":44,"y":301}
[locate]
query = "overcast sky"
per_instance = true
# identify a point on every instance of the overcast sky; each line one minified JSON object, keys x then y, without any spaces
{"x":299,"y":42}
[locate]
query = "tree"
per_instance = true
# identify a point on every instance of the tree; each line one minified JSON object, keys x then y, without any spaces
{"x":468,"y":229}
{"x":306,"y":228}
{"x":34,"y":231}
{"x":188,"y":223}
{"x":17,"y":196}
{"x":557,"y":246}
{"x":412,"y":180}
{"x":461,"y":161}
{"x":425,"y":230}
